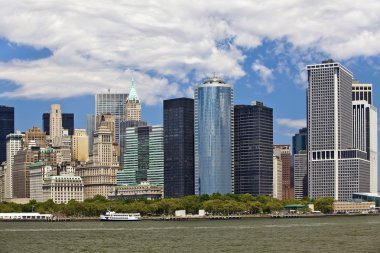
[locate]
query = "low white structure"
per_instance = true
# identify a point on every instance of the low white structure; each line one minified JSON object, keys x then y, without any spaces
{"x":180,"y":213}
{"x":353,"y":207}
{"x":25,"y":216}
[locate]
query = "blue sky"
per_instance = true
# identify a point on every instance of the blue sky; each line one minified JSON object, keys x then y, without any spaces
{"x":66,"y":51}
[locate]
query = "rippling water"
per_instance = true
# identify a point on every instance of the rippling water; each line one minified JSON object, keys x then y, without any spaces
{"x":335,"y":234}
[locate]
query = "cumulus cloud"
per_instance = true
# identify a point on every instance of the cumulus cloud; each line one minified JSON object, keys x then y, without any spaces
{"x":265,"y":74}
{"x":93,"y":42}
{"x":292,"y":123}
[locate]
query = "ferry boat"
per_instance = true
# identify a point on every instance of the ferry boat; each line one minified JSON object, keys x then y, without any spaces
{"x":113,"y":216}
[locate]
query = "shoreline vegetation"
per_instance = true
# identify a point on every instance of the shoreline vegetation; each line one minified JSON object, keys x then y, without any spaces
{"x":216,"y":205}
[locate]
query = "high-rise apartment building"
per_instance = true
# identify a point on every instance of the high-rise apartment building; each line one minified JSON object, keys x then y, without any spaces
{"x":144,"y":156}
{"x":7,"y":124}
{"x":300,"y":174}
{"x":214,"y":136}
{"x":14,"y":145}
{"x":179,"y":147}
{"x":79,"y":146}
{"x":283,"y":152}
{"x":253,"y":149}
{"x":113,"y":103}
{"x":67,"y":122}
{"x":55,"y":129}
{"x":364,"y":118}
{"x":133,"y":106}
{"x":335,"y":168}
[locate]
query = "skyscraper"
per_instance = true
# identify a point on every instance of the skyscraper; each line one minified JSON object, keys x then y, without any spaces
{"x":214,"y":137}
{"x":277,"y":177}
{"x":133,"y":106}
{"x":253,"y":149}
{"x":67,"y":122}
{"x":179,"y":147}
{"x":79,"y":145}
{"x":335,"y":169}
{"x":300,"y":174}
{"x":299,"y":141}
{"x":55,"y":124}
{"x":144,"y":156}
{"x":365,"y":127}
{"x":7,"y":124}
{"x":283,"y":152}
{"x":14,"y":144}
{"x":90,"y":129}
{"x":113,"y":103}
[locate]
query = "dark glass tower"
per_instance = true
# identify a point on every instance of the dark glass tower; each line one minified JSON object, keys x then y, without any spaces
{"x":299,"y":141}
{"x":7,"y":126}
{"x":67,"y":122}
{"x":253,"y":146}
{"x":179,"y":147}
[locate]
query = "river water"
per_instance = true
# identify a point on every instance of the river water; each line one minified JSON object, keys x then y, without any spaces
{"x":332,"y":234}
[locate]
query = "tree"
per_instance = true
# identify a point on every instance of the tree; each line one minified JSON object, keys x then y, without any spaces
{"x":325,"y":205}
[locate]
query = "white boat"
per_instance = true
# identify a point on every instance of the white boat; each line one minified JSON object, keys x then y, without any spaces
{"x":113,"y":216}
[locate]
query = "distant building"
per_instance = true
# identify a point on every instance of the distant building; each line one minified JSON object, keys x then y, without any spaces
{"x":144,"y":156}
{"x":179,"y":147}
{"x":14,"y":145}
{"x":90,"y":129}
{"x":138,"y":191}
{"x":2,"y":181}
{"x":300,"y":174}
{"x":63,"y":188}
{"x":7,"y":125}
{"x":253,"y":127}
{"x":299,"y":141}
{"x":277,"y":177}
{"x":35,"y":137}
{"x":133,"y":106}
{"x":67,"y":122}
{"x":113,"y":103}
{"x":38,"y":173}
{"x":353,"y":207}
{"x":56,"y":128}
{"x":367,"y":197}
{"x":214,"y":137}
{"x":79,"y":146}
{"x":97,"y":180}
{"x":283,"y":152}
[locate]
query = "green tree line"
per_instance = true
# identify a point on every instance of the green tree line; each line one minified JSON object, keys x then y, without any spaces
{"x":215,"y":204}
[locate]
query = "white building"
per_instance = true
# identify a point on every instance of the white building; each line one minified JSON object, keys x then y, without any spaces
{"x":335,"y":168}
{"x":14,"y":144}
{"x":38,"y":173}
{"x":55,"y":124}
{"x":63,"y":188}
{"x":277,"y":177}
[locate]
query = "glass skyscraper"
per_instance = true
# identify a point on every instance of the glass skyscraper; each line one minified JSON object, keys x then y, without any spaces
{"x":213,"y":132}
{"x":7,"y":125}
{"x":179,"y":147}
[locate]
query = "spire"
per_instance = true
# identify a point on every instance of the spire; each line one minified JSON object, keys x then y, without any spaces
{"x":133,"y":94}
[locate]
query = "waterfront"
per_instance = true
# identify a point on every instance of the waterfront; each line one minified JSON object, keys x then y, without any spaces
{"x":333,"y":234}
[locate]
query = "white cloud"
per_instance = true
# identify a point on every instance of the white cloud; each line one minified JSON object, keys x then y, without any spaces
{"x":265,"y":74}
{"x":93,"y":42}
{"x":292,"y":123}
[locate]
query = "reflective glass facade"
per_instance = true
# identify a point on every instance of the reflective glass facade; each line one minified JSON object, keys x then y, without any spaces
{"x":213,"y":137}
{"x":7,"y":124}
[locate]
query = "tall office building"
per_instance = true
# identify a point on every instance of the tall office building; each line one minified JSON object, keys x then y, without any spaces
{"x":113,"y":103}
{"x":214,"y":137}
{"x":335,"y":169}
{"x":365,"y":127}
{"x":7,"y":125}
{"x":133,"y":106}
{"x":253,"y":149}
{"x":79,"y":146}
{"x":35,"y":137}
{"x":90,"y":129}
{"x":283,"y":152}
{"x":144,"y":156}
{"x":67,"y":122}
{"x":14,"y":145}
{"x":299,"y":141}
{"x":179,"y":147}
{"x":300,"y":174}
{"x":55,"y":129}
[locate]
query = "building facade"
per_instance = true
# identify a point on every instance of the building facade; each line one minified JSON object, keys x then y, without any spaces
{"x":179,"y":147}
{"x":299,"y":141}
{"x":136,"y":192}
{"x":144,"y":156}
{"x":334,"y":168}
{"x":277,"y":177}
{"x":55,"y":124}
{"x":283,"y":152}
{"x":133,"y":106}
{"x":14,"y":145}
{"x":113,"y":103}
{"x":63,"y":188}
{"x":253,"y":149}
{"x":90,"y":129}
{"x":35,"y":137}
{"x":213,"y":137}
{"x":300,"y":175}
{"x":79,"y":146}
{"x":67,"y":122}
{"x":7,"y":126}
